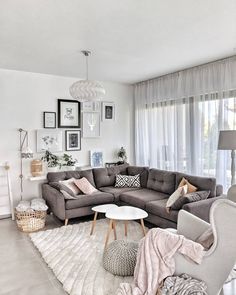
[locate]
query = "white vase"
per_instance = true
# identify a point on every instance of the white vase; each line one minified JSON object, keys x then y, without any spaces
{"x":53,"y":169}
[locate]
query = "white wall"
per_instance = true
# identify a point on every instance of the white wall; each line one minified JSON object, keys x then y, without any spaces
{"x":25,"y":96}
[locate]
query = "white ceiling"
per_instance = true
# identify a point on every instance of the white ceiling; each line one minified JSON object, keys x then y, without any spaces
{"x":131,"y":40}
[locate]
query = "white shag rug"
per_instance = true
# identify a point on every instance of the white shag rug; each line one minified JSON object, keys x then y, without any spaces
{"x":76,"y":257}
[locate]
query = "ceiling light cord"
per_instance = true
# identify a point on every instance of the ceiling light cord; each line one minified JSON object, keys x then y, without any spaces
{"x":86,"y":53}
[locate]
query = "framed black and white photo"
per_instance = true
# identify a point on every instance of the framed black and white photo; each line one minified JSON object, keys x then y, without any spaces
{"x":68,"y":113}
{"x":49,"y":120}
{"x":91,"y":124}
{"x":108,"y":111}
{"x":73,"y":140}
{"x":49,"y":140}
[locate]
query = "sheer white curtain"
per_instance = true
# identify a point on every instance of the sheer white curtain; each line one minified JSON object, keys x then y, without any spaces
{"x":178,"y":118}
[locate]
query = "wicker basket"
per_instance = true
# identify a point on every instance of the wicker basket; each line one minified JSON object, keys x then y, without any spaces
{"x":30,"y":221}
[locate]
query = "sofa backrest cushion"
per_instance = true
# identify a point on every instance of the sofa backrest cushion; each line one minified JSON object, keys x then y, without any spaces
{"x":142,"y":171}
{"x":57,"y":176}
{"x":107,"y":176}
{"x":202,"y":183}
{"x":161,"y":181}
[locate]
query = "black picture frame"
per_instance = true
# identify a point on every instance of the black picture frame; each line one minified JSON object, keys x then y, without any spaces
{"x":68,"y":143}
{"x":77,"y":108}
{"x":45,"y":123}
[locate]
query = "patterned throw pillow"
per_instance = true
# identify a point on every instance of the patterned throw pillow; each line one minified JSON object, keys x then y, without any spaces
{"x":127,"y":181}
{"x":85,"y":186}
{"x":190,"y":198}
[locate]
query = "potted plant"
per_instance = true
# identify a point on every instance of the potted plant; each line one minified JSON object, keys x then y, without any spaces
{"x":122,"y":155}
{"x":67,"y":162}
{"x":51,"y":160}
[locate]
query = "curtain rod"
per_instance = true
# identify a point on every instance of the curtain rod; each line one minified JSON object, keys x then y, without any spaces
{"x":200,"y":65}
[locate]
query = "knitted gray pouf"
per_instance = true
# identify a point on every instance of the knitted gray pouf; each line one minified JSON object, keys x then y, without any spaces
{"x":120,"y":257}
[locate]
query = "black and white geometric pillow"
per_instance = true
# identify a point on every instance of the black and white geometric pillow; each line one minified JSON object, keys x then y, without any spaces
{"x":127,"y":181}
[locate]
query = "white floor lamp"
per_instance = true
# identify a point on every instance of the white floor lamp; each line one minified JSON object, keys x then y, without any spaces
{"x":227,"y":141}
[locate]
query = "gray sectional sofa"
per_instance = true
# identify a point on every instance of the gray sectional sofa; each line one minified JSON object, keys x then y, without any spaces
{"x":156,"y":187}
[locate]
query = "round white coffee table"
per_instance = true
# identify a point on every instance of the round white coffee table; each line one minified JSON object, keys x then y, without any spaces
{"x":100,"y":209}
{"x":124,"y":213}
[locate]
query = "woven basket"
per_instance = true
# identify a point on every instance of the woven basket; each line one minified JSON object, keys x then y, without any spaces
{"x":30,"y":221}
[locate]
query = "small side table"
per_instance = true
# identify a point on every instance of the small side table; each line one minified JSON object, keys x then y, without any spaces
{"x":101,"y":209}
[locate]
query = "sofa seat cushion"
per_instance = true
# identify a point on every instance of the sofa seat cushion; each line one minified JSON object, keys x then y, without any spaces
{"x":90,"y":200}
{"x":159,"y":208}
{"x":117,"y":191}
{"x":139,"y":198}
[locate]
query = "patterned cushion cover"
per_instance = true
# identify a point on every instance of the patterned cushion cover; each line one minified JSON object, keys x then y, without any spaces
{"x":189,"y":198}
{"x":127,"y":181}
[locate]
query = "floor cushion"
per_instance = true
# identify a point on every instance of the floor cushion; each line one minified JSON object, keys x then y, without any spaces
{"x":139,"y":198}
{"x":120,"y":258}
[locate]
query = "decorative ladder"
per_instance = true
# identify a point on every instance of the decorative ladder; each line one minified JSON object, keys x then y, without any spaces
{"x":6,"y":200}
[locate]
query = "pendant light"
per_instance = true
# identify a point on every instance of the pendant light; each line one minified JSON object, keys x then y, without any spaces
{"x":87,"y":90}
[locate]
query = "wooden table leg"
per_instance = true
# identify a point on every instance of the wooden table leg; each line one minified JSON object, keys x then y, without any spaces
{"x":94,"y":223}
{"x":143,"y":227}
{"x":126,"y":227}
{"x":108,"y":233}
{"x":114,"y":229}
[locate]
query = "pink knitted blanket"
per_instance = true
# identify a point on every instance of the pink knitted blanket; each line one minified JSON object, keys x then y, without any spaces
{"x":155,"y":261}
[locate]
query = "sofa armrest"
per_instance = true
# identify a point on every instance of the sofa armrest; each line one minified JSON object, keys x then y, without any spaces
{"x":219,"y":190}
{"x":187,"y":222}
{"x":202,"y":208}
{"x":55,"y":201}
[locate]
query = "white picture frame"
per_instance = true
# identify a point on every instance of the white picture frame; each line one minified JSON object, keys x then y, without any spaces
{"x":91,"y":106}
{"x":96,"y":158}
{"x":50,"y":140}
{"x":108,"y":111}
{"x":91,"y":124}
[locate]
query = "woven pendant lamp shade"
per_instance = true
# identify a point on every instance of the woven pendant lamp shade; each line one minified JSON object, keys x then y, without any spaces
{"x":85,"y":90}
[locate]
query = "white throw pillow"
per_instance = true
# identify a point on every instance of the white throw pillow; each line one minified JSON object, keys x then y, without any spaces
{"x":180,"y":192}
{"x":70,"y":183}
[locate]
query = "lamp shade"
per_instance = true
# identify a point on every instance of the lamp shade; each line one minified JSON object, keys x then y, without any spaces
{"x":26,"y":153}
{"x":227,"y":140}
{"x":87,"y":90}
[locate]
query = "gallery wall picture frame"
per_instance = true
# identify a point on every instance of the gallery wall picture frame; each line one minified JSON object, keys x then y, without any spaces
{"x":91,"y":106}
{"x":96,"y":158}
{"x":91,"y":124}
{"x":49,"y":120}
{"x":108,"y":111}
{"x":50,"y":140}
{"x":69,"y":115}
{"x":73,"y":140}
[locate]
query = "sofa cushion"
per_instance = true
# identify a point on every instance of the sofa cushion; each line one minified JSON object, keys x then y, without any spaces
{"x":90,"y":200}
{"x":116,"y":191}
{"x":161,"y":181}
{"x":142,"y":171}
{"x":202,"y":183}
{"x":159,"y":208}
{"x":56,"y":176}
{"x":107,"y":176}
{"x":59,"y":176}
{"x":139,"y":198}
{"x":88,"y":174}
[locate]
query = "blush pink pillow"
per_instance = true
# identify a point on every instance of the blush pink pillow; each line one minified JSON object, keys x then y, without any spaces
{"x":85,"y":186}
